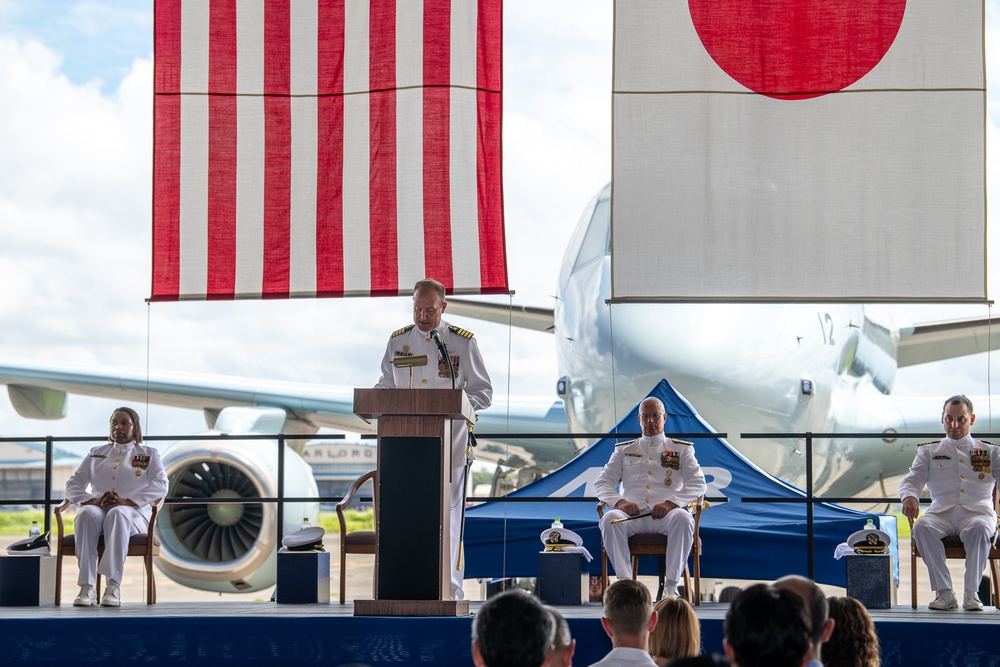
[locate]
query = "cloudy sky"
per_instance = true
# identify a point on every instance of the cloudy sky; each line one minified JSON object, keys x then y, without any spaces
{"x":75,"y":201}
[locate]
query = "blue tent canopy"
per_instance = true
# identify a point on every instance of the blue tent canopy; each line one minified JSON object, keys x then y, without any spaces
{"x":742,"y":540}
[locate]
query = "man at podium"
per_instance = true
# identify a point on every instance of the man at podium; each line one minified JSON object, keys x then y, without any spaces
{"x":432,"y":336}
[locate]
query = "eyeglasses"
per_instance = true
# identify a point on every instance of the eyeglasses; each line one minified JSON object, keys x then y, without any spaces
{"x":651,"y":416}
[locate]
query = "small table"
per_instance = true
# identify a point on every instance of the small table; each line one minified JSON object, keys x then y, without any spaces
{"x":869,"y":580}
{"x":303,"y":577}
{"x":27,"y":581}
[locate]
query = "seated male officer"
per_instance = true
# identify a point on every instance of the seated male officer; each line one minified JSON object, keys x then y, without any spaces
{"x":959,"y":473}
{"x":659,"y":477}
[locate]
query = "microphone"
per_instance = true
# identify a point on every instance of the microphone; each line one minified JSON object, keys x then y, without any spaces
{"x":443,"y":349}
{"x":436,"y":337}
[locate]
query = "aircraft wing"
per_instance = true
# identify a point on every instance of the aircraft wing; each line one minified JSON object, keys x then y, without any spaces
{"x":38,"y":391}
{"x":525,"y":317}
{"x":936,"y":341}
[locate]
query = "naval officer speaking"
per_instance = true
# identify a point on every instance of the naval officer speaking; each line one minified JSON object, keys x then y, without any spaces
{"x":425,"y":336}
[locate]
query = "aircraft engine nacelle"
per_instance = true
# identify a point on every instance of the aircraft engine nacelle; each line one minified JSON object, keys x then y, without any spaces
{"x":229,"y":547}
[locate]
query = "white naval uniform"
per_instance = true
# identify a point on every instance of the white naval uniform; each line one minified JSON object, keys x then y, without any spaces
{"x":119,"y":468}
{"x":961,"y":504}
{"x":644,"y":467}
{"x":470,"y":375}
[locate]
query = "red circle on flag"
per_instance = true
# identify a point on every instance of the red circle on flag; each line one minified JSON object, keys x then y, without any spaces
{"x":797,"y":49}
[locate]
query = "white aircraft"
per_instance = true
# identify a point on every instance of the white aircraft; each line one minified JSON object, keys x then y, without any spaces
{"x":746,"y":368}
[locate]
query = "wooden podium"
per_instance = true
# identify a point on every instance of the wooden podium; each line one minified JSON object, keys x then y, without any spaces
{"x":412,"y":493}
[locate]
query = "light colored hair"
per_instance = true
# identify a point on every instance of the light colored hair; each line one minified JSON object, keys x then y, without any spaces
{"x":432,"y":286}
{"x":677,"y":633}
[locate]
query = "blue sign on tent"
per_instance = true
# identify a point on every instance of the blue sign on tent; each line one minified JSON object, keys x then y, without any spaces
{"x":741,"y":540}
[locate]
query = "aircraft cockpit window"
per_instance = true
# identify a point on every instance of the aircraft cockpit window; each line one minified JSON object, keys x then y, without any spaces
{"x":596,"y":242}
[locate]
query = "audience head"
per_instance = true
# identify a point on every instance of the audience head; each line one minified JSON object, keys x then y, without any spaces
{"x":816,"y":606}
{"x":853,"y":642}
{"x":628,"y":613}
{"x":766,"y":627}
{"x":677,"y":633}
{"x":563,"y":645}
{"x":512,"y":629}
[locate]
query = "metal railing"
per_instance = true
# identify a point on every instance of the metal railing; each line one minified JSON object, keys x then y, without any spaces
{"x":809,"y":499}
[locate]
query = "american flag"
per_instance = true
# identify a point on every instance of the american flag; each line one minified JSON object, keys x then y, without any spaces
{"x":326,"y":148}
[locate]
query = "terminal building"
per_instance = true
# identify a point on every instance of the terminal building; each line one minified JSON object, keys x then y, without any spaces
{"x":336,"y":464}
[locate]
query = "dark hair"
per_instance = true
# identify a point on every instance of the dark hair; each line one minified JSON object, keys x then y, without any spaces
{"x":628,"y":607}
{"x":767,"y":627}
{"x":513,"y":629}
{"x":814,"y":599}
{"x":958,"y":399}
{"x":853,"y":642}
{"x":136,"y":429}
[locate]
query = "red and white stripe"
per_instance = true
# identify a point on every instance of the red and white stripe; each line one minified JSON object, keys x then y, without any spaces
{"x":326,"y":148}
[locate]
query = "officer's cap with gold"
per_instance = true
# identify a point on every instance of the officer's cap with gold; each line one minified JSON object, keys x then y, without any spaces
{"x":869,"y":541}
{"x":557,"y":539}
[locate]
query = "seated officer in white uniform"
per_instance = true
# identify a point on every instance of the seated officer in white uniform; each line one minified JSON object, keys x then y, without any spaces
{"x":660,"y":477}
{"x":959,"y":473}
{"x":470,"y":374}
{"x":113,"y":488}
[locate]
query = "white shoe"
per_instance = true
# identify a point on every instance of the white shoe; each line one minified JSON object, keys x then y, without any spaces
{"x":670,"y":592}
{"x":972,"y":602}
{"x":112,"y":597}
{"x":86,"y":598}
{"x":945,"y":600}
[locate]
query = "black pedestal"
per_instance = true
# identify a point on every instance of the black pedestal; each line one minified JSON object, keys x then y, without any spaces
{"x":869,"y":580}
{"x":303,"y":577}
{"x":27,"y":581}
{"x":562,"y":578}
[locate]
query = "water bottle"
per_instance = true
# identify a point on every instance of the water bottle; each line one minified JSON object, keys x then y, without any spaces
{"x":34,"y":530}
{"x":870,"y":525}
{"x":305,"y":523}
{"x":557,"y":523}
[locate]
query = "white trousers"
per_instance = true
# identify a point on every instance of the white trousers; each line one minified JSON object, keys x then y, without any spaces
{"x":975,"y":531}
{"x":117,"y":525}
{"x":457,"y":573}
{"x":678,"y":526}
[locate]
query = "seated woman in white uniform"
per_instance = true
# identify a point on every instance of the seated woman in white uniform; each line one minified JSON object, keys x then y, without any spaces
{"x":113,"y":488}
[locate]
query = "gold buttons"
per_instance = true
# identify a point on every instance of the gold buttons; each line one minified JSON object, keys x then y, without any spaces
{"x":114,"y":477}
{"x":424,"y":381}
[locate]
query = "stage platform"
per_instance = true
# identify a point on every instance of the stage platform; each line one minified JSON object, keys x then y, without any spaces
{"x":237,"y":633}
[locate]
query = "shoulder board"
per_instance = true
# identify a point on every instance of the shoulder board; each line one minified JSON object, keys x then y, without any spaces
{"x":627,"y":442}
{"x":681,"y":442}
{"x":399,"y":332}
{"x":930,"y":442}
{"x":987,"y":442}
{"x":460,"y":331}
